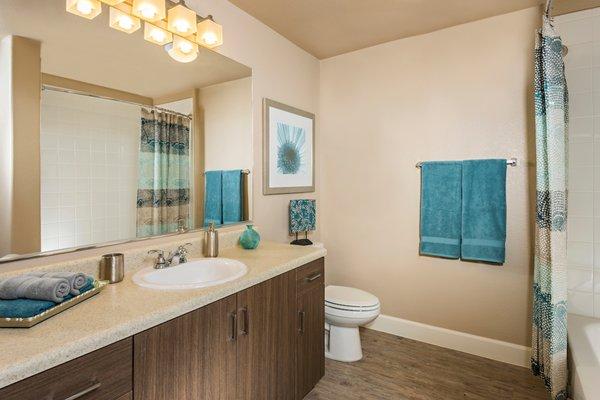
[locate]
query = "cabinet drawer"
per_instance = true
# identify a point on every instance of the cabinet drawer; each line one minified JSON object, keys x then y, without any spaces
{"x":105,"y":374}
{"x":310,"y":276}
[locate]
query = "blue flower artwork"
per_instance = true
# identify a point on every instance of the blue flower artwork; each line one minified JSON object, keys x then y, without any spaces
{"x":291,"y":148}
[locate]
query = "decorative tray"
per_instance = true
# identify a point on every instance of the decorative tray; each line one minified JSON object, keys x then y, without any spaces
{"x":65,"y":305}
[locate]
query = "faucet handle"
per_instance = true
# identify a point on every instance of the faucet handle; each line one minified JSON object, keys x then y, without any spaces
{"x":160,"y":262}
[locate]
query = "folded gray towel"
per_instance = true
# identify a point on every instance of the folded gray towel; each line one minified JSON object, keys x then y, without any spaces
{"x":35,"y":288}
{"x":77,"y":280}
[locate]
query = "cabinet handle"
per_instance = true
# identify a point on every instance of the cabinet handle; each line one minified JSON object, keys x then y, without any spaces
{"x":301,"y":314}
{"x":232,"y":326}
{"x":313,"y":277}
{"x":79,"y":395}
{"x":244,"y":329}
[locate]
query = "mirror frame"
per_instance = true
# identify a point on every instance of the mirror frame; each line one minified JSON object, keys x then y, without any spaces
{"x":68,"y":250}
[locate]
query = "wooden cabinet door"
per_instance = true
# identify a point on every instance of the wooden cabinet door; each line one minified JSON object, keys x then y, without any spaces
{"x":190,"y":357}
{"x":311,"y":341}
{"x":267,"y":340}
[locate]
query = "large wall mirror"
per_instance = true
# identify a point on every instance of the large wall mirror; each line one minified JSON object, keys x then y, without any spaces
{"x":105,"y":138}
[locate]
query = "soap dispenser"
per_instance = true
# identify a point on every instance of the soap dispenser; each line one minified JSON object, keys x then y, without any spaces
{"x":211,"y":241}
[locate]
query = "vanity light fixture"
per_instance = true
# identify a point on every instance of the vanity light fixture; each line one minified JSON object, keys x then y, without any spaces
{"x":89,"y":9}
{"x":181,"y":20}
{"x":150,"y":10}
{"x":182,"y":50}
{"x":122,"y":20}
{"x":180,"y":30}
{"x":210,"y":34}
{"x":157,"y":33}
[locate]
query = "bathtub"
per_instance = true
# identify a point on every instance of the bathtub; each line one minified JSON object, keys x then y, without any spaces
{"x":584,"y":357}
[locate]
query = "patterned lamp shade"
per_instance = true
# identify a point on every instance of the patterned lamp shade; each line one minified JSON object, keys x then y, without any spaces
{"x":302,"y":215}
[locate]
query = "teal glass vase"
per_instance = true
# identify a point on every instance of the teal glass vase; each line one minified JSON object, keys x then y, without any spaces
{"x":250,"y":238}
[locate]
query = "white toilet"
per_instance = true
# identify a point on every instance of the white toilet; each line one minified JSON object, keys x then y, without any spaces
{"x":345,"y":310}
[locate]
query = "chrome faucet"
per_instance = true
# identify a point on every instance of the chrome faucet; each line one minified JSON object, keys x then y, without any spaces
{"x":162,"y":262}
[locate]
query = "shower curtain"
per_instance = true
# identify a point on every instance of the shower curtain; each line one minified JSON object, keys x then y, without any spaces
{"x":163,"y":196}
{"x":549,"y":344}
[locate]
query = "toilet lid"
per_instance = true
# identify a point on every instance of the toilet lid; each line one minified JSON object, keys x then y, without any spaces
{"x":349,"y":297}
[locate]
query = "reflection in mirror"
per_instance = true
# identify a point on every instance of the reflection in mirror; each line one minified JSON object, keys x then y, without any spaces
{"x":104,"y":137}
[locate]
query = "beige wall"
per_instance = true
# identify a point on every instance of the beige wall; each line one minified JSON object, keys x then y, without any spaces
{"x":459,"y":93}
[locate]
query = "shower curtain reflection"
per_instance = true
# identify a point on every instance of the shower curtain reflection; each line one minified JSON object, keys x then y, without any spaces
{"x":163,"y":196}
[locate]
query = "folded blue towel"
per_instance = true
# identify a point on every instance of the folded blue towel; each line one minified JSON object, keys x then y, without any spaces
{"x":213,"y":198}
{"x":440,"y":209}
{"x":25,"y":308}
{"x":232,"y":196}
{"x":484,"y":210}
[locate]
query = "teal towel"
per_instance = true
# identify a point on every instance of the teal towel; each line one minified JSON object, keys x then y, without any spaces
{"x":232,"y":196}
{"x":25,"y":308}
{"x":441,"y":209}
{"x":213,"y":198}
{"x":484,"y":211}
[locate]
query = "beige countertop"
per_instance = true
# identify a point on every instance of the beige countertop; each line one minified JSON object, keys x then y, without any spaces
{"x":124,"y":309}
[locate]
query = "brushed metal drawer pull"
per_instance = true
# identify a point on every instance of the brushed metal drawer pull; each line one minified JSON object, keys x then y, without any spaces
{"x":302,"y":314}
{"x":95,"y":386}
{"x":244,"y":330}
{"x":313,"y":277}
{"x":232,"y":326}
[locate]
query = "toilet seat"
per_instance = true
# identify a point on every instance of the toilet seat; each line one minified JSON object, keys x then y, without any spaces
{"x":350,"y":299}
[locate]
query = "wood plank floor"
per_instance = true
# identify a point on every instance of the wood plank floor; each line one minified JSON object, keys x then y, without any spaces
{"x":404,"y":369}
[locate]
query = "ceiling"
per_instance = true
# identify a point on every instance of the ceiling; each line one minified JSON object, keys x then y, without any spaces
{"x":92,"y":52}
{"x":326,"y":28}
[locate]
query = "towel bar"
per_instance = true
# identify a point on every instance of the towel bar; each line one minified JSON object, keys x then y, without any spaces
{"x":511,"y":161}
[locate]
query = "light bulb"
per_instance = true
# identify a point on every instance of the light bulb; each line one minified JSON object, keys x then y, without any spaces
{"x":125,"y":22}
{"x":88,"y":9}
{"x":181,"y":26}
{"x":148,"y":11}
{"x":210,"y":34}
{"x":85,"y":7}
{"x":182,"y":50}
{"x":121,"y":19}
{"x":210,"y":38}
{"x":185,"y":47}
{"x":158,"y":35}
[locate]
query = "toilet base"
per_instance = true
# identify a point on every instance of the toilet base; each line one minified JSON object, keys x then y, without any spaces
{"x":343,"y":344}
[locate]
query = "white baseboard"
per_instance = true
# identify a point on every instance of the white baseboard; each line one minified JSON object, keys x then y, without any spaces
{"x":478,"y":345}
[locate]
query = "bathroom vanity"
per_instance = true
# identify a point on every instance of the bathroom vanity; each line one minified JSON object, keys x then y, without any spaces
{"x":265,"y":340}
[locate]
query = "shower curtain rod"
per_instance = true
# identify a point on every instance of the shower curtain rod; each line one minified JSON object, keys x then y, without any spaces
{"x":511,"y":162}
{"x":80,"y":93}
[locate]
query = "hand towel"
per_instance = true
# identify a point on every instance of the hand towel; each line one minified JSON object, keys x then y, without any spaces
{"x":440,"y":209}
{"x":77,"y":280}
{"x":484,"y":210}
{"x":213,"y":198}
{"x":35,"y":288}
{"x":232,"y":196}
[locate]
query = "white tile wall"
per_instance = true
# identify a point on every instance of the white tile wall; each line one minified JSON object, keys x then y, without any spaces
{"x":581,"y":33}
{"x":89,"y":170}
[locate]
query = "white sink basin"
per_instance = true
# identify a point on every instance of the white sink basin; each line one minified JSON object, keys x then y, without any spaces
{"x":196,"y":273}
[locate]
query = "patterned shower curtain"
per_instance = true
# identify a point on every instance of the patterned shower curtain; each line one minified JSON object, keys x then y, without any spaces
{"x":549,"y":345}
{"x":163,"y":196}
